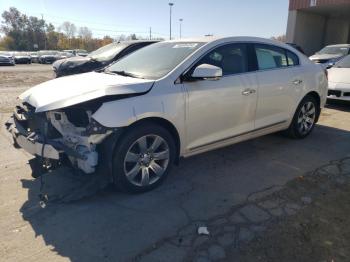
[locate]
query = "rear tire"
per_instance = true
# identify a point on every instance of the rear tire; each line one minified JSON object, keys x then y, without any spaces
{"x":304,"y":119}
{"x":143,"y":158}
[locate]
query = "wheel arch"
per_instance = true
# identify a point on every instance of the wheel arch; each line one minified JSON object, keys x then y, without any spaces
{"x":165,"y":124}
{"x":317,"y":97}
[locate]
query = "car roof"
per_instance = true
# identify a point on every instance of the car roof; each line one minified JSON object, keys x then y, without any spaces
{"x":129,"y":42}
{"x":208,"y":39}
{"x":223,"y":40}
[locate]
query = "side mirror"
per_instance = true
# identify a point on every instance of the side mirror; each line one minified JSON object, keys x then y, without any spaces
{"x":206,"y":71}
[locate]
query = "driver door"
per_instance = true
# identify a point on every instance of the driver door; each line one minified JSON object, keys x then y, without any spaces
{"x":221,"y":109}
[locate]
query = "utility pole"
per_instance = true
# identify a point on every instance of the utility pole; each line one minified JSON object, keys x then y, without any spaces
{"x":170,"y":5}
{"x":42,"y":18}
{"x":180,"y":27}
{"x":150,"y":33}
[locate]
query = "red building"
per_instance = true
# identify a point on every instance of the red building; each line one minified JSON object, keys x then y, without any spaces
{"x":312,"y":24}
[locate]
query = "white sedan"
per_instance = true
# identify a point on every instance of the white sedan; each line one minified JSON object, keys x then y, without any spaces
{"x":169,"y":100}
{"x":339,"y":80}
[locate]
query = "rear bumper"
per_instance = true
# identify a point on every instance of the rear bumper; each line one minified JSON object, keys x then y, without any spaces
{"x":30,"y":142}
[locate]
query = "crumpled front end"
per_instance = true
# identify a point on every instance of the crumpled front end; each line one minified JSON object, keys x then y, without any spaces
{"x":69,"y":133}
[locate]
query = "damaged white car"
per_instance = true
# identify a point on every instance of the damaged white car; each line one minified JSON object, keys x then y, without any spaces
{"x":169,"y":100}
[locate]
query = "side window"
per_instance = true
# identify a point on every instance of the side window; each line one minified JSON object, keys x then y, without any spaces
{"x":270,"y":57}
{"x":293,"y":59}
{"x":231,"y":58}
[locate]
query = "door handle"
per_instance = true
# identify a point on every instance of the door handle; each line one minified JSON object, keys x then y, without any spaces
{"x":297,"y":82}
{"x":248,"y":91}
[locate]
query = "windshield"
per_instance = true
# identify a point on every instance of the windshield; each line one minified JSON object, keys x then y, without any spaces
{"x":334,"y":50}
{"x":156,"y":60}
{"x":344,"y":63}
{"x":107,"y":52}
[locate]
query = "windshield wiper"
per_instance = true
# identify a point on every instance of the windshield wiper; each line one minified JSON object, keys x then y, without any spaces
{"x":123,"y":73}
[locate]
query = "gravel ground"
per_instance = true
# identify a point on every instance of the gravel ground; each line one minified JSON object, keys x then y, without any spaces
{"x":15,"y":80}
{"x":268,"y":199}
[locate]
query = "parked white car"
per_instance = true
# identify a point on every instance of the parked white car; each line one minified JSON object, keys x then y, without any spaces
{"x":329,"y":55}
{"x":339,"y":80}
{"x":169,"y":100}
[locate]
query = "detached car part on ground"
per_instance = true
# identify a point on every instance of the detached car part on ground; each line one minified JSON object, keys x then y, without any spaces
{"x":169,"y":100}
{"x":339,"y":80}
{"x":98,"y":59}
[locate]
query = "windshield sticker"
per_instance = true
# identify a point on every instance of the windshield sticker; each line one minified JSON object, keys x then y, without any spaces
{"x":187,"y":45}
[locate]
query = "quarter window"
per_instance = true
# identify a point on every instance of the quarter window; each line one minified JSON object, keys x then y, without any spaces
{"x":270,"y":57}
{"x":232,"y":59}
{"x":293,"y":59}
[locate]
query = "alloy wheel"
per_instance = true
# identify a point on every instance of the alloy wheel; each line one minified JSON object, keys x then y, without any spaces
{"x":306,"y":118}
{"x":146,"y":160}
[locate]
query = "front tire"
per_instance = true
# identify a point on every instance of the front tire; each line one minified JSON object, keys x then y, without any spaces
{"x":143,"y":158}
{"x":304,"y":119}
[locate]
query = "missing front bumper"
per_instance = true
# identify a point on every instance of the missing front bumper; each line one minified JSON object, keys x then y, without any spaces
{"x":29,"y":143}
{"x":82,"y":155}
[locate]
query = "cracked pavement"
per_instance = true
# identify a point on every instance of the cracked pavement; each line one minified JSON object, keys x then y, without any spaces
{"x":228,"y":190}
{"x":261,"y":210}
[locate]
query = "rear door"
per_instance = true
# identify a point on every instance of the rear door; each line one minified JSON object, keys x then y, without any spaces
{"x":279,"y":84}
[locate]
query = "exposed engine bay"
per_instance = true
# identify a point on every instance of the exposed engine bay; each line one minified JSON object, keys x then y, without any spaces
{"x":71,"y":132}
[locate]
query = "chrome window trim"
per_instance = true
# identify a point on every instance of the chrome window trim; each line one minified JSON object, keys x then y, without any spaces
{"x":248,"y":72}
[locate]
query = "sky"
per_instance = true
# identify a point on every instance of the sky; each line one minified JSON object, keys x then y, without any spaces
{"x":263,"y":18}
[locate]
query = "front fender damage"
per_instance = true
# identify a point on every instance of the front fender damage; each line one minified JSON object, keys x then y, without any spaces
{"x":82,"y":140}
{"x":70,"y":135}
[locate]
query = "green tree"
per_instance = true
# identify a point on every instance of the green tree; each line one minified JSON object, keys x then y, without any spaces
{"x":25,"y":31}
{"x":28,"y":33}
{"x":52,"y":37}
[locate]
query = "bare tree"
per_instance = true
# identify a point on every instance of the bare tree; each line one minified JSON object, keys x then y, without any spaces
{"x":69,"y":29}
{"x":85,"y":33}
{"x":281,"y":38}
{"x":122,"y":37}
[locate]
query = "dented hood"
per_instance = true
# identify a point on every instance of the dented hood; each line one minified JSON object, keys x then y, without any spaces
{"x":71,"y":90}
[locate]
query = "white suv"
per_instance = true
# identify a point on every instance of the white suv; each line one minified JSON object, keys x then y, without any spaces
{"x":169,"y":100}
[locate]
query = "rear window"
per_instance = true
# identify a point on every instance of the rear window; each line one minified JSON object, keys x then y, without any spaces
{"x":270,"y":57}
